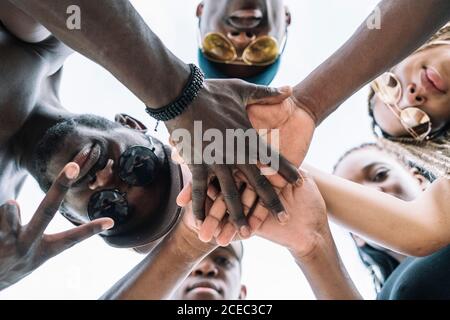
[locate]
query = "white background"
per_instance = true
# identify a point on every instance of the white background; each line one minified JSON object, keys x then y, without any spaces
{"x":318,"y":28}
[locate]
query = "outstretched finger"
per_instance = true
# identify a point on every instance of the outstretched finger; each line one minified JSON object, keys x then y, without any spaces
{"x":62,"y":241}
{"x":51,"y":202}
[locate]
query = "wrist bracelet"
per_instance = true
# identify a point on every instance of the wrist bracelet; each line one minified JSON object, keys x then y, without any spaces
{"x":187,"y":96}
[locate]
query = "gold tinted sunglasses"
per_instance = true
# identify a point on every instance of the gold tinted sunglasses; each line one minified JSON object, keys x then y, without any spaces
{"x":416,"y":121}
{"x":262,"y":51}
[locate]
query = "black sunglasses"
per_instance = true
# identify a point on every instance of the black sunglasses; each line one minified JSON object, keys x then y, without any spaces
{"x":138,"y":166}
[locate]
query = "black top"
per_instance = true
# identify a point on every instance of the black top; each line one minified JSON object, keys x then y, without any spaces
{"x":425,"y":278}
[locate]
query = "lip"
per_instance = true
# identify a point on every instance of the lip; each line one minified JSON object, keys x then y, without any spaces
{"x":204,"y":285}
{"x":432,"y":82}
{"x":436,"y":79}
{"x":86,"y":159}
{"x":246,"y":18}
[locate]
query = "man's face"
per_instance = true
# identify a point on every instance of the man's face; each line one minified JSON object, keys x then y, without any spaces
{"x":96,"y":145}
{"x":242,"y":21}
{"x":217,"y":277}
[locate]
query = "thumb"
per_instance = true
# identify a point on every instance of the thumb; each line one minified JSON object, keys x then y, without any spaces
{"x":184,"y":197}
{"x":268,"y":95}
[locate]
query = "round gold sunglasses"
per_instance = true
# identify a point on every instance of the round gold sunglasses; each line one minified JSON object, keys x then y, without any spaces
{"x":262,"y":51}
{"x":415,"y":121}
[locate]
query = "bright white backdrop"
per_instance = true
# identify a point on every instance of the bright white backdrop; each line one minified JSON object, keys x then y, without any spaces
{"x":318,"y":28}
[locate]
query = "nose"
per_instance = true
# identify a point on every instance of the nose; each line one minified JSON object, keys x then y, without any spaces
{"x":103,"y":177}
{"x":206,"y":268}
{"x":413,"y":97}
{"x":241,"y":39}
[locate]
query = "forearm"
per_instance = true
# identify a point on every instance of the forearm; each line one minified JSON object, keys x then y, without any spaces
{"x":160,"y":273}
{"x":413,"y":228}
{"x":326,"y":273}
{"x":115,"y":36}
{"x":405,"y":25}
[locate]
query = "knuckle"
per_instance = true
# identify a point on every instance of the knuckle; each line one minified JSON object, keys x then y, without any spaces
{"x":198,"y":193}
{"x":231,"y":196}
{"x":273,"y":204}
{"x":49,"y":211}
{"x":62,"y":185}
{"x":261,"y":182}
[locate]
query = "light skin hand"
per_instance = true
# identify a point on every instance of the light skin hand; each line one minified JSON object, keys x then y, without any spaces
{"x":296,"y":128}
{"x":308,"y":223}
{"x":23,"y":248}
{"x":308,"y":238}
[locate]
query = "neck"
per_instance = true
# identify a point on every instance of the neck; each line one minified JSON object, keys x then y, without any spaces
{"x":34,"y":129}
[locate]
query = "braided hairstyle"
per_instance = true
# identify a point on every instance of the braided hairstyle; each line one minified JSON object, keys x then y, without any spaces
{"x":379,"y":263}
{"x":432,"y":155}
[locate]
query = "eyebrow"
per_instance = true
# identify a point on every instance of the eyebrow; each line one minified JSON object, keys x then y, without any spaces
{"x":370,"y":166}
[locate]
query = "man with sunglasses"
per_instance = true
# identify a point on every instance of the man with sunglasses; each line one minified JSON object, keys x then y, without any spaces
{"x":174,"y":92}
{"x":119,"y":180}
{"x":242,"y":39}
{"x":215,"y":100}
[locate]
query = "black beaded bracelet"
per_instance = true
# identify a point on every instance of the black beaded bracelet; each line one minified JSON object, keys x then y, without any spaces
{"x":190,"y":92}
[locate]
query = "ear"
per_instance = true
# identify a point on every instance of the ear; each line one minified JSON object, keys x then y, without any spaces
{"x":243,"y":293}
{"x":360,"y":242}
{"x":288,"y":16}
{"x":199,"y":11}
{"x":130,"y":122}
{"x":423,"y":182}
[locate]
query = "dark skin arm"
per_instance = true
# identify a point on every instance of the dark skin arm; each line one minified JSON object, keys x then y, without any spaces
{"x":166,"y":267}
{"x":138,"y":58}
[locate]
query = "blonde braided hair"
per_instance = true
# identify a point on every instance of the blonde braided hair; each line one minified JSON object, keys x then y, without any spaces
{"x":432,"y":155}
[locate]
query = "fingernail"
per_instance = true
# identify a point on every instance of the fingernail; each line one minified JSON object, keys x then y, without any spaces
{"x":283,"y":217}
{"x":72,"y":172}
{"x":245,"y":231}
{"x":204,"y":239}
{"x":106,"y":225}
{"x":285,"y":89}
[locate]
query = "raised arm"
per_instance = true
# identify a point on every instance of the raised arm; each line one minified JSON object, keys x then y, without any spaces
{"x":405,"y":25}
{"x":416,"y":228}
{"x":160,"y":273}
{"x":115,"y":36}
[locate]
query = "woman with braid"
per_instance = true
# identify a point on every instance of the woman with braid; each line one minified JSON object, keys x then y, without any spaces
{"x":396,"y":276}
{"x":410,"y":106}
